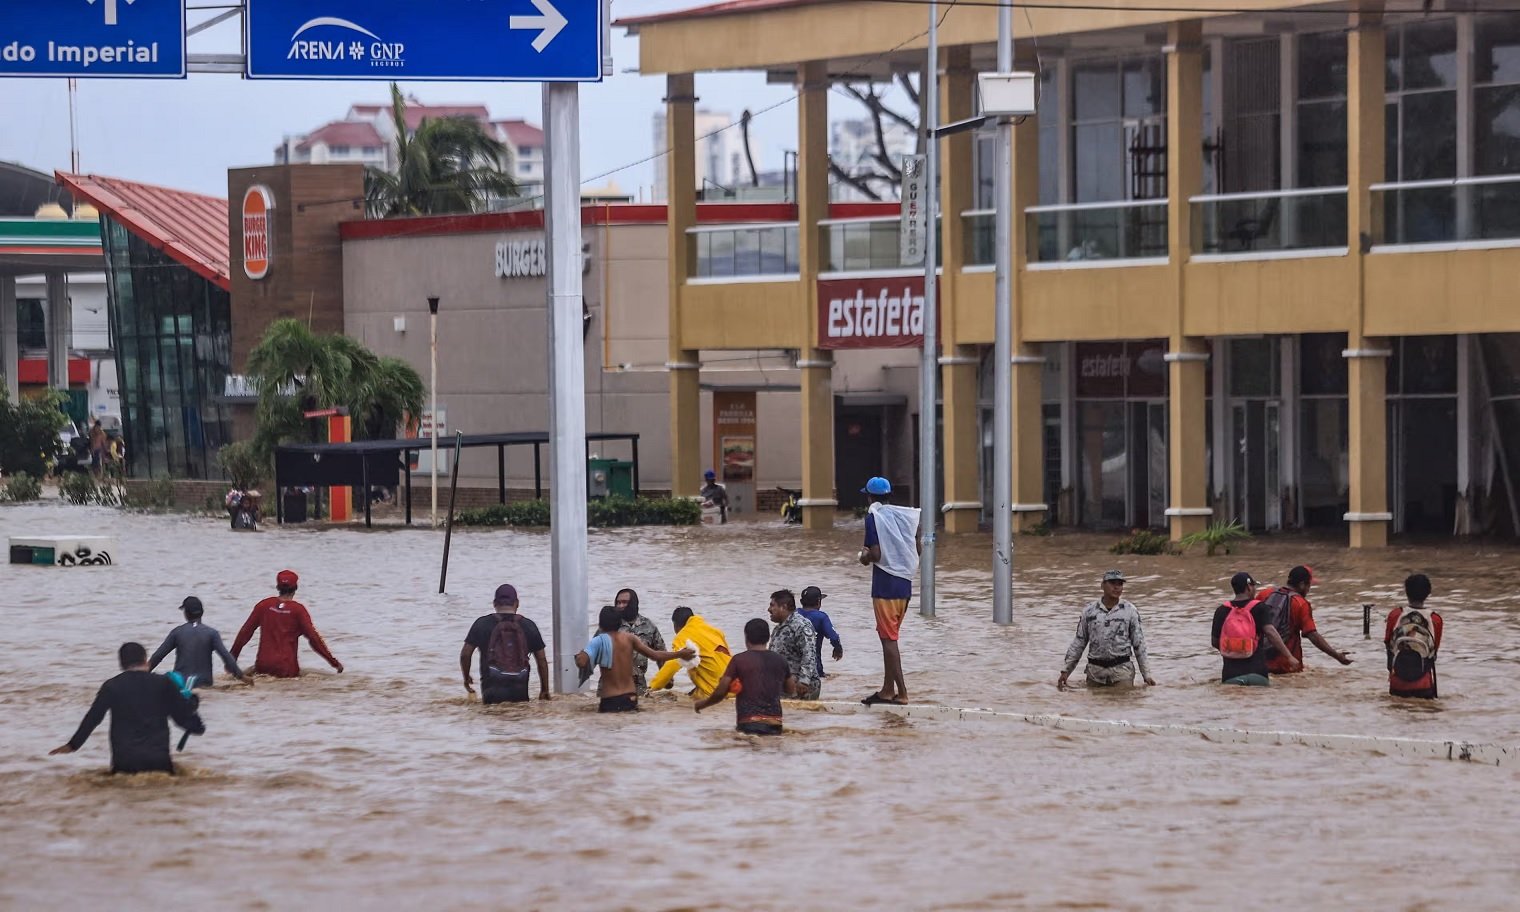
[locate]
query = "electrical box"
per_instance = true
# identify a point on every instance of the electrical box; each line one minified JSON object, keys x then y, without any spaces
{"x":1007,"y":94}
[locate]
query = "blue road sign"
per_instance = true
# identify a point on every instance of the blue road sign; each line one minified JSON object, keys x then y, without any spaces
{"x":522,"y":40}
{"x":109,"y":39}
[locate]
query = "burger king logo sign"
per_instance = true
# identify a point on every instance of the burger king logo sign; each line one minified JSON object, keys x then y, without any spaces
{"x":257,"y":203}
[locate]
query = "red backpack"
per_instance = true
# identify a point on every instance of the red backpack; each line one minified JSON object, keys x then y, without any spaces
{"x":1237,"y":635}
{"x":507,"y":652}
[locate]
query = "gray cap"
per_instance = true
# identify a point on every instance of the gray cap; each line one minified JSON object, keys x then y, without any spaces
{"x":1113,"y":576}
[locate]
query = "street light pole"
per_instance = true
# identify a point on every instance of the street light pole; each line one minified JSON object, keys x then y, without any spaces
{"x":1002,"y":347}
{"x":928,"y":369}
{"x":433,"y":394}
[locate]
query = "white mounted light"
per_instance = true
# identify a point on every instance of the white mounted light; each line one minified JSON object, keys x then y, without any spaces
{"x":1007,"y":94}
{"x":400,"y":324}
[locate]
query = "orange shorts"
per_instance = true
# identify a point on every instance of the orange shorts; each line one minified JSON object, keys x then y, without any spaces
{"x":889,"y":616}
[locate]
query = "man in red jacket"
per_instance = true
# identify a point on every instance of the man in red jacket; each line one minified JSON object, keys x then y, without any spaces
{"x":284,"y":621}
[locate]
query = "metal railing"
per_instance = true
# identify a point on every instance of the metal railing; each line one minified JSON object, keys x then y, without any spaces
{"x":1450,"y":211}
{"x":1312,"y":218}
{"x":1084,"y":233}
{"x":744,"y":251}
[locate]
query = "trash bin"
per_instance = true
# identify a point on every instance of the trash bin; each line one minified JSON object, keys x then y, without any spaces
{"x":295,"y":505}
{"x":609,"y":478}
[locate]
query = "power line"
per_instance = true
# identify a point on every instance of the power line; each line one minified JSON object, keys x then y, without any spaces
{"x":1418,"y":10}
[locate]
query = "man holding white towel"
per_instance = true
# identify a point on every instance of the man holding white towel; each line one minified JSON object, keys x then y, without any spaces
{"x":891,"y":550}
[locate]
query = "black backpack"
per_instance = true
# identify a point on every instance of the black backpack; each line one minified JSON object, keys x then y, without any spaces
{"x":507,"y":652}
{"x":1279,"y":607}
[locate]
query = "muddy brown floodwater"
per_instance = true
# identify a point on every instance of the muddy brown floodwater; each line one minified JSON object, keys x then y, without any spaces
{"x":385,"y":788}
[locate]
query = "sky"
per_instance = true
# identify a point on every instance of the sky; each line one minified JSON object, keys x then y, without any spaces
{"x":187,"y":133}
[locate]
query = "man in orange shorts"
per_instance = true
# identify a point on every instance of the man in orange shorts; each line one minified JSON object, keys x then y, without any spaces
{"x":891,"y":550}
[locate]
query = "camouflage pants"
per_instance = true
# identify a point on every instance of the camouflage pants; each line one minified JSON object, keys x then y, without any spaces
{"x":1098,"y":676}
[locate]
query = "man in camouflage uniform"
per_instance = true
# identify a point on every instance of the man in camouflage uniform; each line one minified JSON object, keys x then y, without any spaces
{"x":642,"y":627}
{"x":1109,"y":631}
{"x":795,"y":640}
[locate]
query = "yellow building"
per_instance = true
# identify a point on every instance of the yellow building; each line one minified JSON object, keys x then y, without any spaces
{"x":1265,"y":262}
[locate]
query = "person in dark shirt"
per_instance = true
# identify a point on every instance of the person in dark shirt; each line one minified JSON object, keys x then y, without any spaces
{"x":479,"y":637}
{"x":141,"y":704}
{"x":193,"y":644}
{"x":812,"y":608}
{"x":715,"y":494}
{"x":1250,"y":671}
{"x":762,"y":677}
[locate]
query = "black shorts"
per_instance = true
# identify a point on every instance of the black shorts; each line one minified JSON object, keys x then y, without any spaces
{"x":760,"y":728}
{"x":623,"y":703}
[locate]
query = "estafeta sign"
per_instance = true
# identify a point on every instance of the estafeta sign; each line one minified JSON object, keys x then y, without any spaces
{"x":914,"y":231}
{"x":257,"y":203}
{"x":875,"y":312}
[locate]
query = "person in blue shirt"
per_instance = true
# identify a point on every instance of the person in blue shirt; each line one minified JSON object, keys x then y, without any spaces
{"x":812,"y":609}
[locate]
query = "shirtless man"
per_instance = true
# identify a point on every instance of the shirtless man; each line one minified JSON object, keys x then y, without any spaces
{"x":612,"y":650}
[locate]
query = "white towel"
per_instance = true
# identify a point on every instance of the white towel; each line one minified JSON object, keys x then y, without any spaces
{"x":896,"y":531}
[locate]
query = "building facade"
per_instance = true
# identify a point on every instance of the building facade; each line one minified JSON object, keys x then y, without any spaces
{"x":1260,"y":258}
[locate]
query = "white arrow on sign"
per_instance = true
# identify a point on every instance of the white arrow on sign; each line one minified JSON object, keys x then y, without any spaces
{"x":551,"y":22}
{"x":110,"y":10}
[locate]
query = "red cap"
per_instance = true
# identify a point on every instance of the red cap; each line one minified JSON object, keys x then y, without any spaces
{"x":286,"y":579}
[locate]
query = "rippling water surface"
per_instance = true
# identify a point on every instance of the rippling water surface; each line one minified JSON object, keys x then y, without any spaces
{"x":385,"y":788}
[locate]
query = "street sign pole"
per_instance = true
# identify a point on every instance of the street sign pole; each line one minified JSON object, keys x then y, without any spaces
{"x":567,"y":381}
{"x":928,"y":478}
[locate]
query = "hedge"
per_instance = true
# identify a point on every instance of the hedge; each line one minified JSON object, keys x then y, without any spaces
{"x":613,"y":511}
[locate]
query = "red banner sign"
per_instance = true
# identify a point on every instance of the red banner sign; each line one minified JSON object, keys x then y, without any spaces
{"x":871,"y":312}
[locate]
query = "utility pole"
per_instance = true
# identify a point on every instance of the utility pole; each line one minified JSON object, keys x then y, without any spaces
{"x":433,"y":393}
{"x":928,"y":369}
{"x":1002,"y":347}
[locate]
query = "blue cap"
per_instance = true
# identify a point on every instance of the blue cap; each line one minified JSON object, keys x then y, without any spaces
{"x":709,"y":474}
{"x":878,"y":486}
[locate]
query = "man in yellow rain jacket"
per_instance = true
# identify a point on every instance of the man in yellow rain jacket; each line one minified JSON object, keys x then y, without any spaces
{"x":712,"y":653}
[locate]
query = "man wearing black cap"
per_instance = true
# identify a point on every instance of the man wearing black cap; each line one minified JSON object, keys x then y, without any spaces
{"x":1110,"y":633}
{"x":1244,"y":635}
{"x":1293,"y":617}
{"x":812,"y":608}
{"x":504,"y":654}
{"x":193,"y":643}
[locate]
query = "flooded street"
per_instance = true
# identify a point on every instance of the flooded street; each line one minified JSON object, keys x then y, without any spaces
{"x":384,"y":787}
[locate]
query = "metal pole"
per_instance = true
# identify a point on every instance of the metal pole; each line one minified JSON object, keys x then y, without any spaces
{"x":567,"y":382}
{"x":1002,"y":347}
{"x":433,"y":393}
{"x":928,"y":368}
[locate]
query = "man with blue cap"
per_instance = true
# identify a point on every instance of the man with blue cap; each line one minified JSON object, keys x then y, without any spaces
{"x":891,"y":551}
{"x":715,"y":494}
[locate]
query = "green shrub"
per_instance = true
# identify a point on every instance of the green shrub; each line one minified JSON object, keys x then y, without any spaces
{"x":614,"y":511}
{"x":1143,"y":541}
{"x":1218,"y":535}
{"x":245,"y":464}
{"x":79,"y":488}
{"x":1041,"y":528}
{"x":29,"y":432}
{"x":20,"y":488}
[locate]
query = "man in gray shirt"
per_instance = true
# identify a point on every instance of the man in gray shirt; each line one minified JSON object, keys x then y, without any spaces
{"x":193,"y":643}
{"x":1109,"y":631}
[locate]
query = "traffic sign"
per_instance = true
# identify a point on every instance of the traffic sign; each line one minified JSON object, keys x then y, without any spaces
{"x":103,"y":39}
{"x":497,"y":40}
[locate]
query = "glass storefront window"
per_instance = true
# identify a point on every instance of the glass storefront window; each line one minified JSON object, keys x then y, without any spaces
{"x":1321,"y":154}
{"x":1321,"y":368}
{"x":1118,"y":130}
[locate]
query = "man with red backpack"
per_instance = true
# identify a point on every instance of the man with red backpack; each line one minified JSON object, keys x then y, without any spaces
{"x":1244,"y":635}
{"x":1412,"y":638}
{"x":1293,"y":617}
{"x":505,"y":640}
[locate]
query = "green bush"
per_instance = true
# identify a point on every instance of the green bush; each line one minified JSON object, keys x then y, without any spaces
{"x":244,"y":464}
{"x":79,"y":488}
{"x":614,"y":511}
{"x":1143,"y":541}
{"x":20,"y":488}
{"x":29,"y":432}
{"x":1041,"y":528}
{"x":1218,"y":535}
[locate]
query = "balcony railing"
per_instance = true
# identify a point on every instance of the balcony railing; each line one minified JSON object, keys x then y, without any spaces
{"x":1094,"y":234}
{"x":1246,"y":224}
{"x":865,"y":244}
{"x":1451,"y":211}
{"x":745,"y":251}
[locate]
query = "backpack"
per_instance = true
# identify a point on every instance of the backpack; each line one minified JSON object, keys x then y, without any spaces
{"x":1237,"y":635}
{"x":507,"y":652}
{"x":1413,"y":645}
{"x":1280,"y":612}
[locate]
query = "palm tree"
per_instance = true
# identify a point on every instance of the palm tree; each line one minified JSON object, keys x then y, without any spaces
{"x":448,"y":164}
{"x":297,"y":370}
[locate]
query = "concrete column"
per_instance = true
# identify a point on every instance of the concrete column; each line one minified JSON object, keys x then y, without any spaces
{"x":1028,"y":373}
{"x":1367,"y":359}
{"x":815,"y":364}
{"x":681,"y":213}
{"x":60,"y":330}
{"x":960,"y":365}
{"x":1187,"y":357}
{"x":10,"y":352}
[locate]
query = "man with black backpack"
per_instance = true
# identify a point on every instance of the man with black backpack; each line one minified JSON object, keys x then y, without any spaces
{"x":505,"y":640}
{"x":1412,"y":638}
{"x":1293,"y":616}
